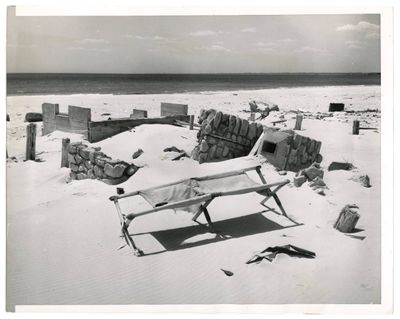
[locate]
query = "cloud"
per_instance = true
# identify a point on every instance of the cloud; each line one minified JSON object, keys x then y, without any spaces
{"x":154,"y":38}
{"x":251,"y":29}
{"x":267,"y":44}
{"x":354,"y":44}
{"x":287,"y":40}
{"x":308,"y":49}
{"x":92,"y":41}
{"x":215,"y":48}
{"x":204,"y":33}
{"x":369,"y":30}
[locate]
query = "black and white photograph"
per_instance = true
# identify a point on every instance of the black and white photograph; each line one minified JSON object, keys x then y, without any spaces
{"x":195,"y":159}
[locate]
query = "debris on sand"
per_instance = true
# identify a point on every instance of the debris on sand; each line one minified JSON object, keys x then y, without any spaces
{"x":137,"y":153}
{"x":271,"y":252}
{"x":173,"y":149}
{"x":362,"y":179}
{"x":33,"y":117}
{"x":298,"y":181}
{"x":227,"y":272}
{"x":347,"y":219}
{"x":335,"y":166}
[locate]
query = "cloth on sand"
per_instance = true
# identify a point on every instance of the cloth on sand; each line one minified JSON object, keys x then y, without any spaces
{"x":271,"y":252}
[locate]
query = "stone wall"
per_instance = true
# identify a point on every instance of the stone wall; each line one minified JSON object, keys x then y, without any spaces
{"x":87,"y":162}
{"x":224,"y":136}
{"x":287,"y":150}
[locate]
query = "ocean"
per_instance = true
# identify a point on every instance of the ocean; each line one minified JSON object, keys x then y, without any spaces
{"x":65,"y":84}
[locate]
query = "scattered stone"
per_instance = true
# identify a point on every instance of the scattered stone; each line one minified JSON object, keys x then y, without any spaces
{"x":173,"y":149}
{"x":312,"y":172}
{"x":227,"y":272}
{"x":317,"y":182}
{"x":130,"y":170}
{"x":282,"y":172}
{"x":81,"y":176}
{"x":334,"y":166}
{"x":363,"y":180}
{"x":137,"y":153}
{"x":299,"y":180}
{"x":33,"y":117}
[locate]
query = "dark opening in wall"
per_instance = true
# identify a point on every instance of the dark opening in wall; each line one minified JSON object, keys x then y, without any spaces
{"x":269,"y":147}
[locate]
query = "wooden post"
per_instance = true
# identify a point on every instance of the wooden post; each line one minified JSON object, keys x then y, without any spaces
{"x":252,"y":117}
{"x":356,"y":127}
{"x":347,"y":219}
{"x":299,"y":120}
{"x":64,"y":152}
{"x":191,"y":122}
{"x":30,"y":153}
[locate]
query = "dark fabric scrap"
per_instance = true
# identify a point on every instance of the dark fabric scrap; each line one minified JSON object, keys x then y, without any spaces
{"x":271,"y":252}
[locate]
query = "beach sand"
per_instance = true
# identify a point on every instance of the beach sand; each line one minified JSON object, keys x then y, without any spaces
{"x":63,"y":238}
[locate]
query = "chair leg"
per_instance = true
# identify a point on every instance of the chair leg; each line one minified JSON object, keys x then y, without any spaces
{"x":128,"y":238}
{"x":208,"y":218}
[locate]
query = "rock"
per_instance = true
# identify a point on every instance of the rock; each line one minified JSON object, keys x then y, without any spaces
{"x":82,"y":168}
{"x":317,"y":147}
{"x":173,"y":149}
{"x":8,"y":117}
{"x":312,"y":172}
{"x":218,"y":153}
{"x":232,"y":122}
{"x":94,"y":155}
{"x":208,"y":129}
{"x":88,"y":164}
{"x":204,"y":146}
{"x":299,"y":180}
{"x":363,"y":180}
{"x":74,"y":168}
{"x":225,"y":152}
{"x":244,"y":128}
{"x":317,"y":182}
{"x":78,"y":159}
{"x":203,"y":157}
{"x":72,"y":175}
{"x":211,"y":153}
{"x":217,"y":119}
{"x":101,"y":161}
{"x":334,"y":166}
{"x":71,"y":159}
{"x":81,"y":176}
{"x":225,"y":119}
{"x":98,"y":171}
{"x":236,"y":130}
{"x":282,"y":172}
{"x":130,"y":170}
{"x":297,"y":141}
{"x":318,"y":158}
{"x":90,"y":174}
{"x":137,"y":153}
{"x":33,"y":117}
{"x":85,"y":152}
{"x":115,"y":171}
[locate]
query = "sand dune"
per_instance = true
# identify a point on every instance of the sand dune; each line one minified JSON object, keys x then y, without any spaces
{"x":63,"y":238}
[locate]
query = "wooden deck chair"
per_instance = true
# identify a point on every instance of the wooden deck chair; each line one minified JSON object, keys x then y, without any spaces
{"x":195,"y":194}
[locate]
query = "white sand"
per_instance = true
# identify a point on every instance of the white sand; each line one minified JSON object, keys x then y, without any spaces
{"x":63,"y":238}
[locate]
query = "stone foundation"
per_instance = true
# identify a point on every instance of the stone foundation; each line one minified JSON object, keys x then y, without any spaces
{"x":87,"y":162}
{"x":288,"y":150}
{"x":224,"y":136}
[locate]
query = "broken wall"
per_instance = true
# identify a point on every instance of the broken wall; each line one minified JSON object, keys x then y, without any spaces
{"x":224,"y":136}
{"x":87,"y":162}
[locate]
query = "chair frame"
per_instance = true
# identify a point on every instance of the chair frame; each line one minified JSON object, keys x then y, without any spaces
{"x":263,"y":189}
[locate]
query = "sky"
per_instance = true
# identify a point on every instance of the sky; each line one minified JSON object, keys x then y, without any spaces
{"x":193,"y":44}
